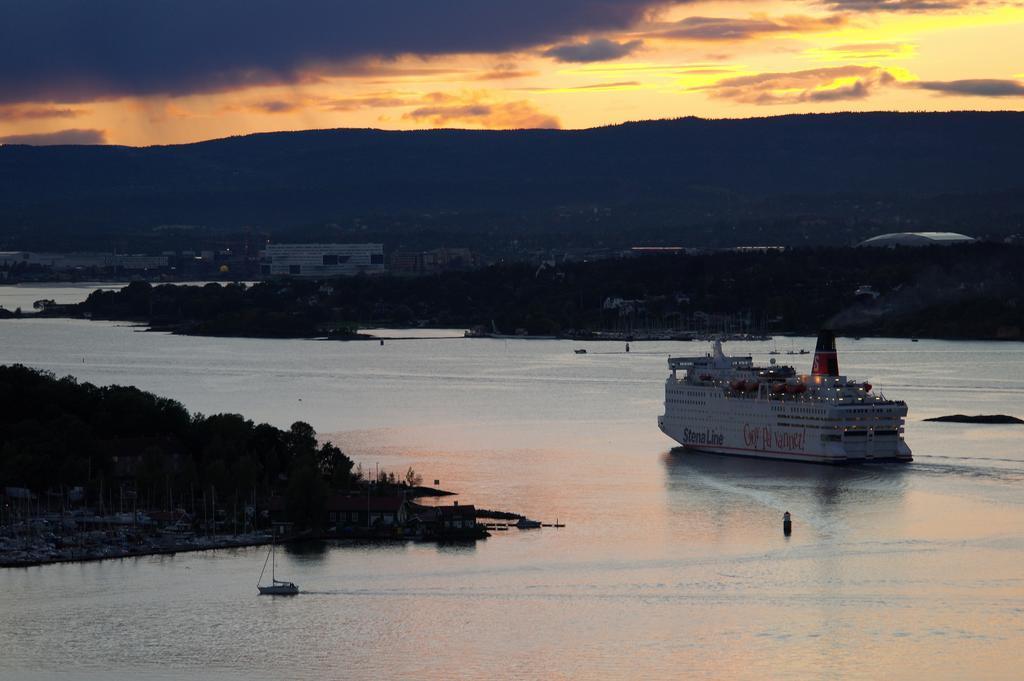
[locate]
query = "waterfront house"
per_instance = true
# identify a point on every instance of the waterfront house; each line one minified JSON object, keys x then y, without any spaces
{"x":365,"y":511}
{"x":455,"y":521}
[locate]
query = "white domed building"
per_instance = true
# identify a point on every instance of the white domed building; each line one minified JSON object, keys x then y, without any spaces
{"x":917,"y":239}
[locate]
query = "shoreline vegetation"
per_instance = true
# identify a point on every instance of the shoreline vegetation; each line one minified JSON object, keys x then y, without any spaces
{"x":89,"y":473}
{"x":963,"y":292}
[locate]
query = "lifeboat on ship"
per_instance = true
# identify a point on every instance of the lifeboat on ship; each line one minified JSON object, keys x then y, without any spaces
{"x":795,"y":388}
{"x":778,"y":388}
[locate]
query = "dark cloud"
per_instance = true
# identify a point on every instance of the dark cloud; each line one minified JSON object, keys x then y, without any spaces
{"x":859,"y":89}
{"x":504,"y":72}
{"x":975,"y":87}
{"x":843,"y":83}
{"x":72,"y":50}
{"x":813,"y":85}
{"x":276,"y":106}
{"x":597,"y":49}
{"x":901,"y":5}
{"x":451,"y":112}
{"x":72,"y":136}
{"x":368,"y":102}
{"x":19,"y":113}
{"x":722,"y":28}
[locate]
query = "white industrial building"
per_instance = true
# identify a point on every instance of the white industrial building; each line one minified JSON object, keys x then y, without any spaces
{"x":322,"y":260}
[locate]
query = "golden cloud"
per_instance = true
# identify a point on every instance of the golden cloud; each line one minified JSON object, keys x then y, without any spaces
{"x":812,"y":85}
{"x":20,"y":113}
{"x":873,"y":50}
{"x":475,"y":109}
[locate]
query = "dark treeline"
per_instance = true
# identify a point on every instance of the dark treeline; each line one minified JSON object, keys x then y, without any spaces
{"x":290,"y":310}
{"x":61,"y":433}
{"x":971,"y":291}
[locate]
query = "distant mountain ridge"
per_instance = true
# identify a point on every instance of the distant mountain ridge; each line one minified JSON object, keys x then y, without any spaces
{"x":288,"y":178}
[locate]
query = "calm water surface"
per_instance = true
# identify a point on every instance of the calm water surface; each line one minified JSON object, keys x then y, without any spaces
{"x":670,"y":565}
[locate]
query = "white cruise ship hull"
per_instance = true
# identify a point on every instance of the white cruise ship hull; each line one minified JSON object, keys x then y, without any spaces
{"x":762,"y":436}
{"x":727,"y":405}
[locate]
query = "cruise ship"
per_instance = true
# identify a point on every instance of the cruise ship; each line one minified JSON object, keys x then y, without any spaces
{"x":728,"y":405}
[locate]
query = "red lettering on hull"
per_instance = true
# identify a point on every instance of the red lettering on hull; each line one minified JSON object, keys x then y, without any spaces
{"x":763,"y":438}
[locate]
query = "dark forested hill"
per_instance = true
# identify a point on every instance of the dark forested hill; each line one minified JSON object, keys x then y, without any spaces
{"x":930,"y":168}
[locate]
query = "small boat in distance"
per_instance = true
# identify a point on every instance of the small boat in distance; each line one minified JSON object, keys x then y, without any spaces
{"x":527,"y":524}
{"x":276,"y":586}
{"x":580,"y":351}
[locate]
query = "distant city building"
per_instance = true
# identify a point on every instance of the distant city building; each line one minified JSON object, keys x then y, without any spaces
{"x":917,"y":239}
{"x":437,"y":260}
{"x":407,"y":261}
{"x":758,"y":249}
{"x":74,"y":261}
{"x":322,"y":260}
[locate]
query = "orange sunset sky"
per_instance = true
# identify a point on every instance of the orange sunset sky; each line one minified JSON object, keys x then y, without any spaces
{"x":159,"y":72}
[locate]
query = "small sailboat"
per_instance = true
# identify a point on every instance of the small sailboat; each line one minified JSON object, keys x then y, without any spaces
{"x":276,"y":586}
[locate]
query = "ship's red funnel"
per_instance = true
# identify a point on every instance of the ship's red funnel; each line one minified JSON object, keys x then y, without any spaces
{"x":826,"y":362}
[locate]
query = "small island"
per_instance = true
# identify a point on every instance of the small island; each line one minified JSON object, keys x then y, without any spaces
{"x":981,"y":418}
{"x":90,"y":472}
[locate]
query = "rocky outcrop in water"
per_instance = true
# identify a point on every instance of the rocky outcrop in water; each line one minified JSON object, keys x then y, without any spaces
{"x":981,"y":418}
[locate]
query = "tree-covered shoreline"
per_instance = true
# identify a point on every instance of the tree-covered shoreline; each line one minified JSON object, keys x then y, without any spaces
{"x":971,"y":292}
{"x":91,"y":472}
{"x":58,"y":433}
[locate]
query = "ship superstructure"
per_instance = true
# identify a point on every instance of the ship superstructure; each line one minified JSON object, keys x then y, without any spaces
{"x":731,"y":406}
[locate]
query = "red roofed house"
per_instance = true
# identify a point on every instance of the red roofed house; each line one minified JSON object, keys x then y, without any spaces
{"x":365,"y":511}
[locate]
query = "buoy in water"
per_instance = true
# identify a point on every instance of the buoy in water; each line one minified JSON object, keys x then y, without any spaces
{"x":787,"y":524}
